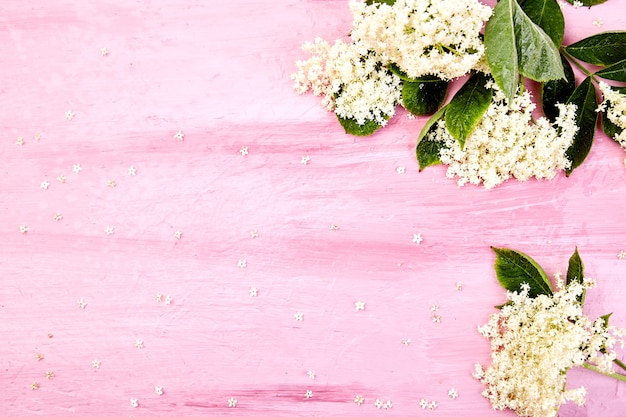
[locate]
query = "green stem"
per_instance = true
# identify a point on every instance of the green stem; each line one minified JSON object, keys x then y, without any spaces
{"x":617,"y":376}
{"x":575,"y":62}
{"x":620,"y":364}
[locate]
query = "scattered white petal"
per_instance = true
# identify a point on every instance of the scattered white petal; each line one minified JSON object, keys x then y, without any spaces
{"x":158,"y":297}
{"x":132,"y":171}
{"x":378,"y":403}
{"x":179,"y":135}
{"x":158,"y":390}
{"x":311,"y":374}
{"x":458,"y":286}
{"x":334,"y":227}
{"x":111,"y":183}
{"x":253,"y":291}
{"x":45,"y":184}
{"x":168,"y":300}
{"x":305,"y":160}
{"x":358,"y":400}
{"x":452,"y":393}
{"x":134,"y":402}
{"x":436,"y":318}
{"x":434,"y":307}
{"x":23,"y":228}
{"x":37,"y":136}
{"x":254,"y":234}
{"x":401,"y":170}
{"x":69,"y":115}
{"x":621,"y":255}
{"x":95,"y":364}
{"x":417,"y":238}
{"x":58,"y":216}
{"x":81,"y":304}
{"x":104,"y":51}
{"x":61,"y":179}
{"x":243,"y":150}
{"x":232,"y":402}
{"x":298,"y":316}
{"x":49,"y":375}
{"x":109,"y":230}
{"x":178,"y":234}
{"x":308,"y":394}
{"x":139,"y":344}
{"x":598,"y":22}
{"x":242,"y":263}
{"x":406,"y":342}
{"x":77,"y":168}
{"x":359,"y":305}
{"x":19,"y":141}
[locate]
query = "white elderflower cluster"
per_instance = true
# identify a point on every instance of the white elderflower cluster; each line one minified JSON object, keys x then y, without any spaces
{"x":614,"y":104}
{"x":534,"y":341}
{"x":507,"y":143}
{"x":423,"y":36}
{"x":350,"y":79}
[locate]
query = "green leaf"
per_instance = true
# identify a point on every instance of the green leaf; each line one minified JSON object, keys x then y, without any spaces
{"x":586,"y":118}
{"x":515,"y":45}
{"x":500,"y":47}
{"x":468,"y":106}
{"x":606,"y":48}
{"x":424,"y":96}
{"x":616,"y":72}
{"x":605,"y":324}
{"x":548,"y":16}
{"x":575,"y":269}
{"x":514,"y":268}
{"x":557,"y":91}
{"x":587,"y":3}
{"x":389,"y":2}
{"x":427,"y":151}
{"x":353,"y":128}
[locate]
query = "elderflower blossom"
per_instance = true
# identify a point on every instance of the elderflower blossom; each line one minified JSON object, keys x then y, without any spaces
{"x":534,"y":341}
{"x":614,"y":106}
{"x":350,"y":79}
{"x":506,"y":143}
{"x":423,"y":37}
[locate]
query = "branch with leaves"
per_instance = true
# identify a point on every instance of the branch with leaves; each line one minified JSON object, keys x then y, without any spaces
{"x":539,"y":334}
{"x":407,"y":52}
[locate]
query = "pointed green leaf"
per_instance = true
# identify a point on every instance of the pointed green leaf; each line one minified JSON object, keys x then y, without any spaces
{"x":515,"y":45}
{"x":424,"y":96}
{"x":389,"y":2}
{"x":547,"y":15}
{"x":586,"y":118}
{"x":616,"y":72}
{"x":539,"y":58}
{"x":605,"y":321}
{"x":514,"y":268}
{"x":353,"y":128}
{"x":606,"y":48}
{"x":427,"y":151}
{"x":587,"y":3}
{"x":557,"y":91}
{"x":468,"y":106}
{"x":403,"y":76}
{"x":500,"y":47}
{"x":575,"y":269}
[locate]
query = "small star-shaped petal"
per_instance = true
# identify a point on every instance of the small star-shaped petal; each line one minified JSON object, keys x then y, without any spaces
{"x":424,"y":403}
{"x":178,"y":234}
{"x":232,"y":402}
{"x":49,"y":375}
{"x":417,"y":238}
{"x":298,"y":316}
{"x":81,"y":304}
{"x":95,"y":364}
{"x":253,"y":291}
{"x":179,"y":135}
{"x":432,"y":405}
{"x":34,"y":386}
{"x":400,"y":170}
{"x":104,"y":51}
{"x":378,"y":403}
{"x":134,"y":402}
{"x":77,"y":168}
{"x":458,"y":286}
{"x":598,"y":22}
{"x":308,"y":394}
{"x":242,"y":263}
{"x":621,"y":255}
{"x":406,"y":342}
{"x":358,"y":400}
{"x":305,"y":160}
{"x":109,"y":230}
{"x":69,"y":115}
{"x":452,"y":393}
{"x":111,"y":183}
{"x":39,"y":357}
{"x":434,"y":307}
{"x":158,"y":297}
{"x":132,"y":171}
{"x":311,"y":374}
{"x":387,"y":405}
{"x":139,"y":344}
{"x":243,"y":151}
{"x":61,"y":179}
{"x":44,"y":184}
{"x":359,"y":305}
{"x":334,"y":227}
{"x":19,"y":141}
{"x":436,"y":318}
{"x":37,"y":136}
{"x":168,"y":300}
{"x":23,"y":228}
{"x":58,"y":216}
{"x":158,"y":390}
{"x":254,"y":233}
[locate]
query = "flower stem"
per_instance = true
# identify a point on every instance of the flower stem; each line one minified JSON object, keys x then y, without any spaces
{"x":617,"y":376}
{"x":620,"y":364}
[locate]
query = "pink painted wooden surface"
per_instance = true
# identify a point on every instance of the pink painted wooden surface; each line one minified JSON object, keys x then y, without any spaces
{"x":219,"y":71}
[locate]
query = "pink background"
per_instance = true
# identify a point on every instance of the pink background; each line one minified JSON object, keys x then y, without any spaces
{"x":219,"y":71}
